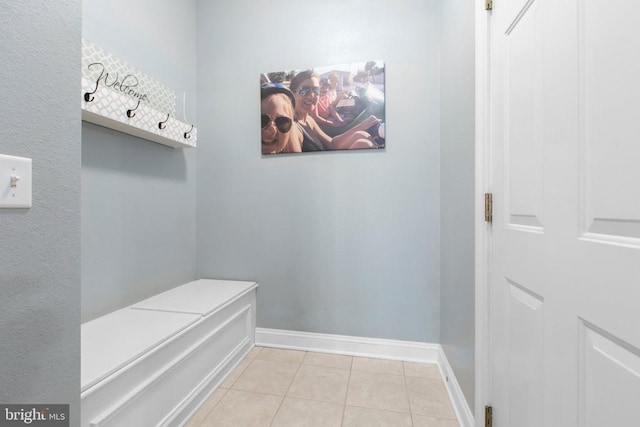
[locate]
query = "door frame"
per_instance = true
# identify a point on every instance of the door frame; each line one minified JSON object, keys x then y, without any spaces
{"x":483,"y":184}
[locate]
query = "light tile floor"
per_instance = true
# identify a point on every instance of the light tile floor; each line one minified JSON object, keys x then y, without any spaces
{"x":276,"y":388}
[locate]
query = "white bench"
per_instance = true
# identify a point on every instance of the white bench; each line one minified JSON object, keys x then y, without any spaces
{"x":155,"y":362}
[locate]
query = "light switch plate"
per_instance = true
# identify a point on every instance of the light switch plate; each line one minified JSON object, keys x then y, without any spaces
{"x":15,"y":182}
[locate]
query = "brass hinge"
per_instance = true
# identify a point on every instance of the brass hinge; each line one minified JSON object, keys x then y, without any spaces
{"x":488,"y":416}
{"x":488,"y":207}
{"x":488,"y":4}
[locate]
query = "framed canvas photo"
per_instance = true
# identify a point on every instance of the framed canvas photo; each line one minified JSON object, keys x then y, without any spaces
{"x":339,"y":107}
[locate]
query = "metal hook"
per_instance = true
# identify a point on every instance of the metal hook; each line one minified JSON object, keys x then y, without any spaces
{"x":130,"y":113}
{"x":187,"y":134}
{"x":163,"y":124}
{"x":87,"y":95}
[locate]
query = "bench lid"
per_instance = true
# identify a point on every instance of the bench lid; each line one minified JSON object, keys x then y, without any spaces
{"x":198,"y":297}
{"x":111,"y":342}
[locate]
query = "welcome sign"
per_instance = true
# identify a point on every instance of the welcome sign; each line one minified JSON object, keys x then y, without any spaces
{"x":102,"y":70}
{"x":120,"y":97}
{"x":128,"y":84}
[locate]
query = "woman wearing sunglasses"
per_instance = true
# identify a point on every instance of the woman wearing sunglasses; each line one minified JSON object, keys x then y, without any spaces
{"x":306,"y":89}
{"x":277,"y":109}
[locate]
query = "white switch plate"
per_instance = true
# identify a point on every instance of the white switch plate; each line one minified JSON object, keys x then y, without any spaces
{"x":15,"y":170}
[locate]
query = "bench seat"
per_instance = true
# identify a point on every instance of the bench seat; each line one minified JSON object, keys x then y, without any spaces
{"x":155,"y":362}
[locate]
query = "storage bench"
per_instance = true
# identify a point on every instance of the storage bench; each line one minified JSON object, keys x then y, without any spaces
{"x":155,"y":362}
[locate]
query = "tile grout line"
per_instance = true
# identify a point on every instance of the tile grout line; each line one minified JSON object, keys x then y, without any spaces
{"x":345,"y":401}
{"x":428,"y":378}
{"x":250,"y":361}
{"x":376,"y":372}
{"x":288,"y":388}
{"x":226,"y":389}
{"x":406,"y":387}
{"x":201,"y":423}
{"x":346,"y":396}
{"x":394,"y":411}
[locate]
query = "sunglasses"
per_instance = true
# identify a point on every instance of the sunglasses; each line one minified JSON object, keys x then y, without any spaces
{"x":283,"y":124}
{"x":304,"y":90}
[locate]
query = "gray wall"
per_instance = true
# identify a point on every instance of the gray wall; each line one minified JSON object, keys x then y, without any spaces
{"x":40,"y":247}
{"x":138,"y":197}
{"x":457,"y":190}
{"x":342,"y":243}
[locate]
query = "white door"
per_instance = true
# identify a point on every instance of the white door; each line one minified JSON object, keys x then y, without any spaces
{"x":564,"y":289}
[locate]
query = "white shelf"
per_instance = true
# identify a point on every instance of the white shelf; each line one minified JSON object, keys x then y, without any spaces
{"x":120,"y":97}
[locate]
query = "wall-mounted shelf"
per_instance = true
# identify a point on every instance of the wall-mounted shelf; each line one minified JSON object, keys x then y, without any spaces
{"x":116,"y":96}
{"x":109,"y":109}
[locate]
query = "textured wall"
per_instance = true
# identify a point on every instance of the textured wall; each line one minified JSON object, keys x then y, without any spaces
{"x":138,"y":197}
{"x":40,"y":247}
{"x":457,"y":191}
{"x":342,"y":243}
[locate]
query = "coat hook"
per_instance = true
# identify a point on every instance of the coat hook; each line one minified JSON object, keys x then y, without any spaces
{"x":187,"y":134}
{"x":87,"y":95}
{"x":130,"y":113}
{"x":163,"y":124}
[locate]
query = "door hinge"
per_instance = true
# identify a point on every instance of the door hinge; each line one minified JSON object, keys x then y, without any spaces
{"x":488,"y":416}
{"x":488,"y":207}
{"x":488,"y":4}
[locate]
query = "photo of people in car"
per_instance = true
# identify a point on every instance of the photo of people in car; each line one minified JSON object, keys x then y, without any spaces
{"x":338,"y":107}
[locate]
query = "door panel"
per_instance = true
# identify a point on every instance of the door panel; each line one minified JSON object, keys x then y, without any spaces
{"x":564,"y":292}
{"x":610,"y":116}
{"x":514,"y":9}
{"x":610,"y":376}
{"x":526,"y":325}
{"x":523,"y":148}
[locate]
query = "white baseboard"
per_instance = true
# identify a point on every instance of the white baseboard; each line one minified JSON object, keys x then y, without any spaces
{"x":463,"y":412}
{"x":376,"y":348}
{"x":353,"y":346}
